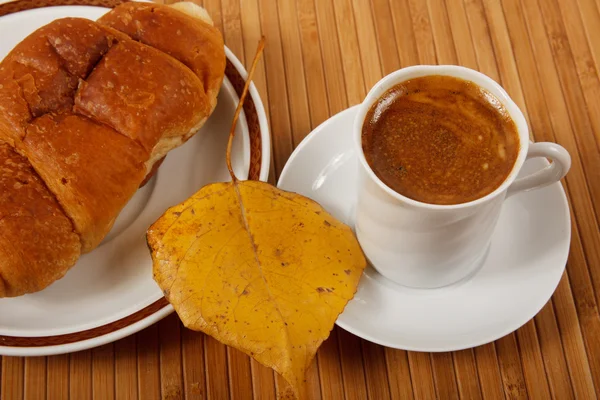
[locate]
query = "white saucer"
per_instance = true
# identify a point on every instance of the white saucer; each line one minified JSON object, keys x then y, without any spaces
{"x":526,"y":260}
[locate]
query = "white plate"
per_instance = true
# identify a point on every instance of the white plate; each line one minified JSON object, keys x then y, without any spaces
{"x":115,"y":281}
{"x":526,"y":260}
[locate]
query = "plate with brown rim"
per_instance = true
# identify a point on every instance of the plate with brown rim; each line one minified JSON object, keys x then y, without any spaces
{"x":110,"y":293}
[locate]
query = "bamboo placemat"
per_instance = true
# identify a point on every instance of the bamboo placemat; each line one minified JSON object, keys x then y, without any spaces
{"x":321,"y":57}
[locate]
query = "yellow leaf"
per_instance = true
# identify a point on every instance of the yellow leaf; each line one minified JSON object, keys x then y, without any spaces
{"x":260,"y":269}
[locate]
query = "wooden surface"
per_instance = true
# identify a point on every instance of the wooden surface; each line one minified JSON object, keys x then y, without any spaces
{"x":321,"y":57}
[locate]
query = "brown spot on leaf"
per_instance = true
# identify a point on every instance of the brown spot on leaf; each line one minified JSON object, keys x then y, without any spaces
{"x":347,"y":271}
{"x":326,"y":223}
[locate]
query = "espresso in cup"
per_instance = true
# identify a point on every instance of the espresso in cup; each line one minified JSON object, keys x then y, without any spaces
{"x":440,"y":140}
{"x":439,"y":149}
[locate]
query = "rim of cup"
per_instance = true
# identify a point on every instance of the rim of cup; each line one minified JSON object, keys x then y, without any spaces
{"x":456,"y":71}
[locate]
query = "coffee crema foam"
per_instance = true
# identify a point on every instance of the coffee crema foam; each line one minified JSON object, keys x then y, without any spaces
{"x":440,"y":140}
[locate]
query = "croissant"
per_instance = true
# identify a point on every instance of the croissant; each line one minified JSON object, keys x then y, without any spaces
{"x":87,"y":111}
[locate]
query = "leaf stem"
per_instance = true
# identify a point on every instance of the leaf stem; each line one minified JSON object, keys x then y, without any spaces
{"x":259,"y":50}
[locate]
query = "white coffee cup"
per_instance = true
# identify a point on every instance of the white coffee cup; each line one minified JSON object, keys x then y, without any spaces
{"x":428,"y":245}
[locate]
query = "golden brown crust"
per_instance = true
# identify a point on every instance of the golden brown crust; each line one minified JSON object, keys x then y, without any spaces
{"x":91,"y":169}
{"x":37,"y":69}
{"x":44,"y":69}
{"x":14,"y":111}
{"x":142,"y":93}
{"x":194,"y":42}
{"x":85,"y":113}
{"x":79,"y":43}
{"x":37,"y":241}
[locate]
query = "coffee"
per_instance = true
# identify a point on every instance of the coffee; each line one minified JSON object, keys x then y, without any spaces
{"x":440,"y":140}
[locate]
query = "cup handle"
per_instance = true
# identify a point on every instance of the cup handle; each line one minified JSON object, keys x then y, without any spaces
{"x":558,"y":168}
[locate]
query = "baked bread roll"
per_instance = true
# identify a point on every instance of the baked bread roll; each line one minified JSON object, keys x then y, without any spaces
{"x":87,"y":110}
